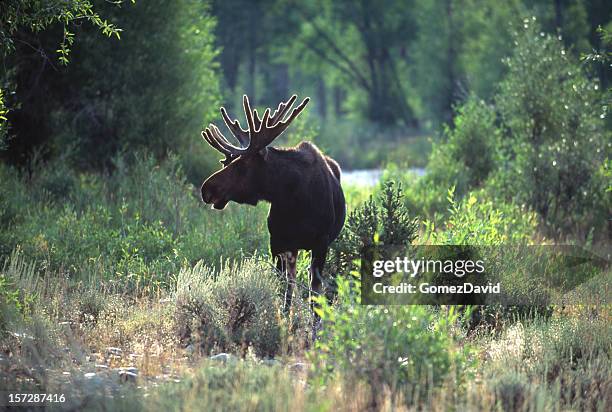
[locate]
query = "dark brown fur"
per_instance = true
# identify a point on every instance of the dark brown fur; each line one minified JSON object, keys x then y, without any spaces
{"x":307,"y":206}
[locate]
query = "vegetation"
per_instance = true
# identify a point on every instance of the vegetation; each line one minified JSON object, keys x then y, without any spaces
{"x":119,"y":289}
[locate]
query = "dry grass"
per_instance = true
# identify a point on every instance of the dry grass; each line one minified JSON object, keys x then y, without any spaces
{"x":68,"y":330}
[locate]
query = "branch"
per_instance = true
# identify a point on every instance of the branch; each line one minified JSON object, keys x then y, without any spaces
{"x":352,"y":68}
{"x":334,"y":63}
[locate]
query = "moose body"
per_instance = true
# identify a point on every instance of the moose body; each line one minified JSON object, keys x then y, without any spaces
{"x":307,"y":206}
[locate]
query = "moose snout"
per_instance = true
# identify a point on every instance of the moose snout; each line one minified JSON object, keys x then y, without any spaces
{"x":206,"y":192}
{"x":213,"y":194}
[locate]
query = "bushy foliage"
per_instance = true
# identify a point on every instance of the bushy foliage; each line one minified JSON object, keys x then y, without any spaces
{"x":464,"y":158}
{"x":402,"y":347}
{"x":542,"y":144}
{"x":125,"y":95}
{"x":9,"y":302}
{"x":555,"y":137}
{"x":468,"y":154}
{"x":22,"y":14}
{"x":477,"y":220}
{"x":232,"y":310}
{"x":568,"y":356}
{"x":384,"y":220}
{"x":14,"y":301}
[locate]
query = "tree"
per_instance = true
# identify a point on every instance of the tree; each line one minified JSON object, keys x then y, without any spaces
{"x":20,"y":17}
{"x":556,"y":140}
{"x":153,"y":89}
{"x":363,"y":42}
{"x":458,"y":51}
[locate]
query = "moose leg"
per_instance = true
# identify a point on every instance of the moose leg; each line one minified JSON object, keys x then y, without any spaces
{"x":291,"y":257}
{"x":286,"y":266}
{"x":316,"y":273}
{"x":316,"y":269}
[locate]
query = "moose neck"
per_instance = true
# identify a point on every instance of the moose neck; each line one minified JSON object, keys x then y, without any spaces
{"x":279,"y":183}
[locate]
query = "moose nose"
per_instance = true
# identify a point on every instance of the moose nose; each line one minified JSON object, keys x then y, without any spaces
{"x":206,"y":194}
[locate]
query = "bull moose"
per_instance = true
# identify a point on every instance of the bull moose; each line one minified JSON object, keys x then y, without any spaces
{"x":302,"y":185}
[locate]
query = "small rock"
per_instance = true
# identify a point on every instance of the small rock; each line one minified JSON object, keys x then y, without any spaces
{"x":90,"y":375}
{"x":298,"y":367}
{"x":99,"y":366}
{"x":114,"y":351}
{"x":222,"y":357}
{"x":127,"y":376}
{"x":21,"y":335}
{"x":165,"y":300}
{"x":93,"y":357}
{"x":190,"y":349}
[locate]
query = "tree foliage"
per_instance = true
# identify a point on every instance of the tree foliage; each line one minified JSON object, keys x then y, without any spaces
{"x":36,"y":16}
{"x":21,"y":16}
{"x":152,"y":89}
{"x":554,"y":116}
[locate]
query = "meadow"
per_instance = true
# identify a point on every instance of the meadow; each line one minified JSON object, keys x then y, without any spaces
{"x":124,"y":292}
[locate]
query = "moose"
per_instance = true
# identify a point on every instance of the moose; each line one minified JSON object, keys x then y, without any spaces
{"x":302,"y":185}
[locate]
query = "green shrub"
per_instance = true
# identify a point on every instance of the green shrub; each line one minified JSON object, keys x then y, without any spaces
{"x":237,"y":386}
{"x":555,"y":136}
{"x":494,"y":232}
{"x":469,"y":152}
{"x":464,"y":159}
{"x":478,"y":220}
{"x":9,"y":302}
{"x":566,"y":359}
{"x":15,"y":302}
{"x":390,"y":347}
{"x":232,"y":310}
{"x":566,"y":344}
{"x":543,"y":144}
{"x":384,"y":220}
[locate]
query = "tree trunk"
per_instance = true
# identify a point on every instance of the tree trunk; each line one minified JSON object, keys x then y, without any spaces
{"x":447,"y":114}
{"x":252,"y":61}
{"x":338,"y":99}
{"x":281,"y":83}
{"x":558,"y":14}
{"x":321,"y":98}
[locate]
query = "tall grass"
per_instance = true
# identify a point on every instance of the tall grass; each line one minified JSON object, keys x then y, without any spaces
{"x":141,"y":223}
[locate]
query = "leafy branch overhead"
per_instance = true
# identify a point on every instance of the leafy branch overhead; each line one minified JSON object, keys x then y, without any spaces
{"x":37,"y":16}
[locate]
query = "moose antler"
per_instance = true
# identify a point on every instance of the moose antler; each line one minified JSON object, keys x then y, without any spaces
{"x":207,"y":135}
{"x":261,"y":131}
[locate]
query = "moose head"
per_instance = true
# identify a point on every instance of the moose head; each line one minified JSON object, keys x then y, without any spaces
{"x":243,"y":174}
